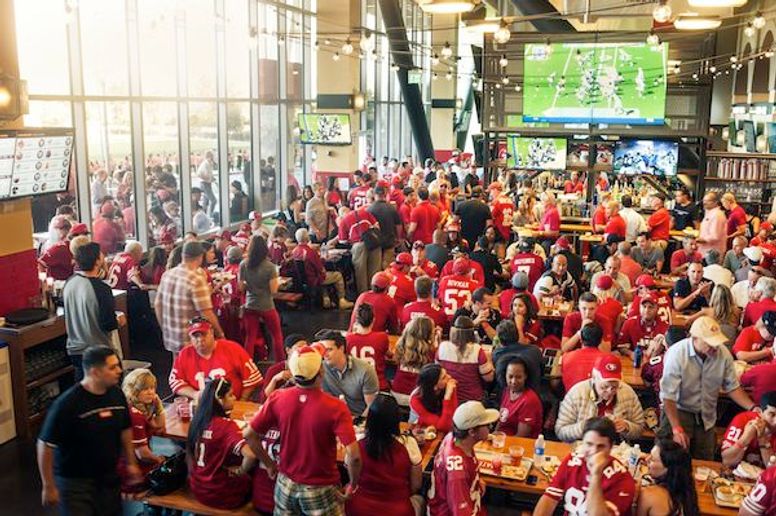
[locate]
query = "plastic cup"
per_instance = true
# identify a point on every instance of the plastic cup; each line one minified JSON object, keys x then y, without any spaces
{"x":497,"y":463}
{"x":516,"y":454}
{"x":499,"y":439}
{"x":183,"y":408}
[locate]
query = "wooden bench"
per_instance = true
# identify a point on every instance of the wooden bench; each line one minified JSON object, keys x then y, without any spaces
{"x":183,"y":500}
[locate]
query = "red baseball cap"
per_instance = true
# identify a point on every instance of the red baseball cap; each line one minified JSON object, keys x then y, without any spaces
{"x":461,"y":266}
{"x":645,"y":280}
{"x":381,"y":280}
{"x":199,"y":327}
{"x":79,"y":229}
{"x":767,"y":226}
{"x":404,"y":259}
{"x":609,"y":367}
{"x":382,"y":183}
{"x":562,"y":243}
{"x":604,"y":282}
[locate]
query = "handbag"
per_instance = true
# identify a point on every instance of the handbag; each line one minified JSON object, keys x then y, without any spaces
{"x":371,"y":236}
{"x":170,"y":475}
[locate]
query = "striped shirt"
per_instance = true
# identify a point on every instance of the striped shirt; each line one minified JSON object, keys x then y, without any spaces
{"x":183,"y":294}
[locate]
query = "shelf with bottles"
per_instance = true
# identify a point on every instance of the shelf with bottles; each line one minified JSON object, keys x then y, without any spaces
{"x":744,"y":194}
{"x":740,"y":167}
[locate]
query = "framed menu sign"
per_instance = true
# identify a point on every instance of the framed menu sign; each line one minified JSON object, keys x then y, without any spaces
{"x":34,"y":162}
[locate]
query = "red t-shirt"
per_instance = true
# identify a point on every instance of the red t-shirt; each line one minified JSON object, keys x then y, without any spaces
{"x":761,"y":379}
{"x":210,"y":479}
{"x":769,"y":255}
{"x":277,"y":252}
{"x":573,"y":323}
{"x":455,"y":291}
{"x":477,"y":272}
{"x":680,"y":257}
{"x":652,"y":372}
{"x":761,"y":499}
{"x":506,"y":297}
{"x":442,"y":421}
{"x":660,"y":225}
{"x":577,"y":365}
{"x":427,"y":217}
{"x":576,"y":187}
{"x":736,"y":218}
{"x":571,"y":481}
{"x":123,"y":269}
{"x":529,"y":263}
{"x":664,"y":306}
{"x":402,"y":289}
{"x":634,"y":331}
{"x":229,"y":360}
{"x":108,"y":234}
{"x":610,"y":310}
{"x":419,"y":308}
{"x":754,"y":311}
{"x":599,"y":216}
{"x":616,"y":226}
{"x":357,"y":197}
{"x":405,"y":212}
{"x":526,"y":409}
{"x":429,"y":267}
{"x":141,"y":433}
{"x":310,"y":421}
{"x":263,"y":492}
{"x":734,"y":431}
{"x":384,"y":309}
{"x":372,"y":347}
{"x":456,"y":489}
{"x":467,"y":368}
{"x":551,"y":220}
{"x":502,"y":211}
{"x":58,"y":260}
{"x":749,"y":340}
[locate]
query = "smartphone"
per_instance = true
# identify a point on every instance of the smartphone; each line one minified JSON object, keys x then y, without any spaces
{"x":531,"y":480}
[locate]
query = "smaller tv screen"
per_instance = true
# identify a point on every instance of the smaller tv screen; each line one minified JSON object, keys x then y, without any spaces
{"x":34,"y":163}
{"x":653,"y":157}
{"x":536,"y":153}
{"x":325,"y":129}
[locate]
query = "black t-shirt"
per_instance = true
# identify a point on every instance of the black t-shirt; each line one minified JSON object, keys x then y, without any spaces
{"x":474,"y":217}
{"x":388,"y":217}
{"x":438,"y":254}
{"x":684,"y":289}
{"x":493,"y":319}
{"x":85,"y":431}
{"x":685,"y":216}
{"x":490,"y":266}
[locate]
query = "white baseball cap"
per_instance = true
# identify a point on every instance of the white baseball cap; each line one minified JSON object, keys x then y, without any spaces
{"x":305,"y":363}
{"x":754,"y":254}
{"x":708,"y":330}
{"x":473,"y":414}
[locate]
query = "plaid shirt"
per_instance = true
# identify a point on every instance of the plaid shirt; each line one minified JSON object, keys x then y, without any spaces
{"x":581,"y":404}
{"x":183,"y":294}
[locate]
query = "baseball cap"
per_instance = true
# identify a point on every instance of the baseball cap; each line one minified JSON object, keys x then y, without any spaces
{"x":753,"y":254}
{"x":79,"y":229}
{"x":461,"y":266}
{"x":381,"y":280}
{"x":472,"y":414}
{"x":525,"y":246}
{"x":614,"y":239}
{"x":708,"y":330}
{"x":562,"y":243}
{"x":609,"y":367}
{"x":418,"y":244}
{"x":199,"y":326}
{"x":305,"y":363}
{"x":767,"y":226}
{"x":520,"y":280}
{"x":193,"y":249}
{"x":380,"y":190}
{"x":404,"y":259}
{"x":645,"y":280}
{"x":604,"y":282}
{"x":649,"y":298}
{"x":769,"y":320}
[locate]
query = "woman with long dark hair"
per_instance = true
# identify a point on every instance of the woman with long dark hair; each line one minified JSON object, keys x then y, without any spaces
{"x":673,"y":494}
{"x":529,"y":329}
{"x":435,"y":399}
{"x":259,"y":280}
{"x":219,"y":458}
{"x":151,"y":272}
{"x":391,"y":471}
{"x":333,"y":194}
{"x":521,"y":411}
{"x":294,"y":208}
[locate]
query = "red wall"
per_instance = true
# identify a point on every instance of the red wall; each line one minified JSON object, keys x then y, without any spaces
{"x":19,"y":280}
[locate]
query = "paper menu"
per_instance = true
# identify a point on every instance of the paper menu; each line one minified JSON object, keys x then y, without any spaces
{"x":36,"y":165}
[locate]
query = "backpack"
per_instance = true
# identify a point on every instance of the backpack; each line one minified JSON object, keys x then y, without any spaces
{"x":364,"y":231}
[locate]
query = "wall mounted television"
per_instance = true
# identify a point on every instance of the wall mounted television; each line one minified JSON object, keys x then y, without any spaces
{"x":34,"y":162}
{"x":325,"y":128}
{"x":536,"y":153}
{"x":652,"y":157}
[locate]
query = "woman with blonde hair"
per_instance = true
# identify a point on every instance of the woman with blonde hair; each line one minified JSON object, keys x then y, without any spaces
{"x":146,"y":414}
{"x":723,"y":309}
{"x":416,"y":348}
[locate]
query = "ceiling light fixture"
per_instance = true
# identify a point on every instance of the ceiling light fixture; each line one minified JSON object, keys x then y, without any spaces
{"x":447,"y":51}
{"x":518,"y":88}
{"x":502,"y":35}
{"x":759,"y":20}
{"x":367,"y":41}
{"x":505,"y":80}
{"x":447,"y":6}
{"x":395,"y":67}
{"x":694,"y":21}
{"x":449,"y":76}
{"x":716,"y":3}
{"x":733,"y":59}
{"x":503,"y":62}
{"x":434,"y":76}
{"x":434,"y":60}
{"x":749,"y":30}
{"x":712,"y":69}
{"x":662,"y":12}
{"x":653,"y":39}
{"x":347,"y":47}
{"x":336,"y":56}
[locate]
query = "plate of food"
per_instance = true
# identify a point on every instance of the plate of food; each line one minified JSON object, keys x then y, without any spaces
{"x":747,"y":472}
{"x":549,"y":466}
{"x":498,"y":465}
{"x":729,"y":493}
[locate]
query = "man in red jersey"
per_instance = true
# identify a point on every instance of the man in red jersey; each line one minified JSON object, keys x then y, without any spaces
{"x":57,"y":260}
{"x":106,"y":231}
{"x":761,"y":500}
{"x":577,"y":365}
{"x":575,"y":321}
{"x":645,"y":286}
{"x":502,"y":209}
{"x":751,"y":435}
{"x":315,"y":271}
{"x":310,"y":423}
{"x":424,"y":305}
{"x":424,"y":218}
{"x":405,"y":210}
{"x":682,"y":258}
{"x":549,"y":226}
{"x":357,"y":196}
{"x":598,"y":220}
{"x":476,"y":272}
{"x":591,"y":480}
{"x":615,"y":224}
{"x":385,"y":311}
{"x":401,"y":289}
{"x":527,"y":261}
{"x":736,"y":218}
{"x":456,"y":291}
{"x":659,"y":222}
{"x":208,"y":357}
{"x":456,"y":489}
{"x":422,"y":266}
{"x":574,"y":185}
{"x":124,"y":271}
{"x":755,"y":343}
{"x":642,"y":329}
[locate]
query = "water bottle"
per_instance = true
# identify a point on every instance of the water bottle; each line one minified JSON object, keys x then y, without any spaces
{"x":633,"y":459}
{"x":637,"y":355}
{"x":539,"y":451}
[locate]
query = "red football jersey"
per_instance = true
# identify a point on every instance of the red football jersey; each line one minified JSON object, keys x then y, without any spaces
{"x":58,"y":260}
{"x":529,"y":263}
{"x":635,"y":332}
{"x":263,"y":492}
{"x":749,"y":340}
{"x":123,"y":269}
{"x":502,"y":211}
{"x":372,"y":347}
{"x":419,"y":308}
{"x":526,"y":409}
{"x":734,"y":431}
{"x":573,"y":323}
{"x":570,"y":485}
{"x":477,"y":273}
{"x":455,"y":292}
{"x":384,"y":308}
{"x":455,"y":483}
{"x":141,"y":433}
{"x":228,"y":360}
{"x":210,"y":479}
{"x":761,"y":499}
{"x":357,"y":197}
{"x":427,"y":266}
{"x":664,"y":306}
{"x":402,"y":289}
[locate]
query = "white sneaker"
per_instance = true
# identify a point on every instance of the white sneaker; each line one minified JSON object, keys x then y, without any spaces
{"x":344,"y":304}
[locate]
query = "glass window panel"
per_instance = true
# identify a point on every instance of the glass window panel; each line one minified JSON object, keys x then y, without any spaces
{"x":382,"y":130}
{"x":201,"y":48}
{"x":268,"y":53}
{"x":109,"y":151}
{"x":46,"y":113}
{"x":395,"y":137}
{"x":157,"y":47}
{"x":203,"y":144}
{"x":42,"y":46}
{"x":270,"y":128}
{"x":294,"y":56}
{"x":237,"y":49}
{"x":161,"y":144}
{"x":295,"y":151}
{"x":238,"y":123}
{"x":104,"y":47}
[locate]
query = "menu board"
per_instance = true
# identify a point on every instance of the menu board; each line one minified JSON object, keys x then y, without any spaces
{"x":34,"y":164}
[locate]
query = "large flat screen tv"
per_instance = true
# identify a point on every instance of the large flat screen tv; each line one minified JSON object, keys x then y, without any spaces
{"x":653,"y":157}
{"x":34,"y":162}
{"x":324,"y":128}
{"x":536,"y":153}
{"x":613,"y":83}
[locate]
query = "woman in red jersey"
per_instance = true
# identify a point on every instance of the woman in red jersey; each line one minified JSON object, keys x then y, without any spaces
{"x":435,"y":399}
{"x":416,"y":348}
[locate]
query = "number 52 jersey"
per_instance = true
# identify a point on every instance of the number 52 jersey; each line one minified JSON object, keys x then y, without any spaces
{"x":456,"y":489}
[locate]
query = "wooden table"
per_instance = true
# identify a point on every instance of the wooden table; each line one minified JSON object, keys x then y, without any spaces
{"x":557,"y":312}
{"x":630,"y":375}
{"x":560,"y":450}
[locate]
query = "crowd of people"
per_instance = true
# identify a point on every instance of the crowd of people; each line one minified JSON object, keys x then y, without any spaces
{"x":458,"y":273}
